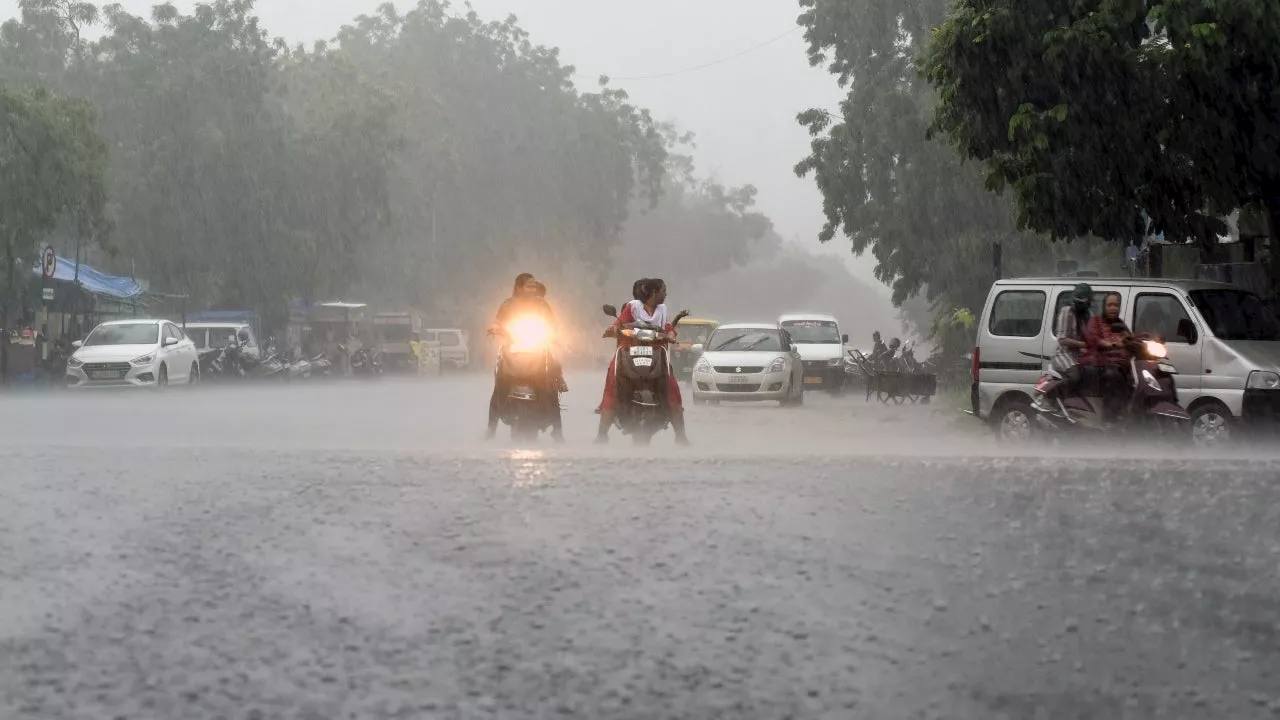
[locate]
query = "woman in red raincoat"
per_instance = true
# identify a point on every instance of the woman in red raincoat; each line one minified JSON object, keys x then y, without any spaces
{"x":648,"y":307}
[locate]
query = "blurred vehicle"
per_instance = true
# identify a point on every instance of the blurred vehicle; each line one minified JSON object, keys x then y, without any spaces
{"x":820,"y":343}
{"x":524,"y":370}
{"x":455,"y":351}
{"x":749,"y":362}
{"x":133,"y":353}
{"x":692,"y":332}
{"x":1224,"y":341}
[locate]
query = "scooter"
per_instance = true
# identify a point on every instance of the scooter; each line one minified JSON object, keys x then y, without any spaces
{"x":1152,"y":399}
{"x":524,"y":365}
{"x":640,"y":372}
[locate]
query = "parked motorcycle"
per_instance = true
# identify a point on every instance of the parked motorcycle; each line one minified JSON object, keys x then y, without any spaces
{"x":640,"y":372}
{"x":366,"y":362}
{"x":524,"y":369}
{"x":1152,"y":400}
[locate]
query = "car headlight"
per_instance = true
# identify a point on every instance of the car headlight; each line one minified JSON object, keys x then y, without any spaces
{"x":703,"y":366}
{"x":144,"y":360}
{"x":777,"y":365}
{"x":1263,"y":380}
{"x":74,"y":361}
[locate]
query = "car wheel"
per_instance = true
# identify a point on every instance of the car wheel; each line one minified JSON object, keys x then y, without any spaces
{"x":1211,"y":425}
{"x":193,"y":379}
{"x":1014,"y":422}
{"x":162,"y":378}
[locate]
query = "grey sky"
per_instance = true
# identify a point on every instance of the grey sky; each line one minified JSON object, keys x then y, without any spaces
{"x":742,"y":110}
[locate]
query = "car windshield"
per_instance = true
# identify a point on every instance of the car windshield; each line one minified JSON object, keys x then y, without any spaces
{"x":813,"y":332}
{"x":221,"y":337}
{"x":741,"y":339}
{"x":133,"y":334}
{"x":1236,"y":315}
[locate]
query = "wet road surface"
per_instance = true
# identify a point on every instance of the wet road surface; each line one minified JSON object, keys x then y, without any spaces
{"x":354,"y":551}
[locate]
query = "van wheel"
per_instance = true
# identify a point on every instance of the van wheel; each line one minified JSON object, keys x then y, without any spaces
{"x":1211,"y":425}
{"x":1014,"y":422}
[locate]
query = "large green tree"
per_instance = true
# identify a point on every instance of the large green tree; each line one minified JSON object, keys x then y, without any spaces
{"x":1094,"y":113}
{"x":52,"y":168}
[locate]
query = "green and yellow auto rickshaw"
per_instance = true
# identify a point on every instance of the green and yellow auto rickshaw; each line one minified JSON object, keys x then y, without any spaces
{"x":691,"y":331}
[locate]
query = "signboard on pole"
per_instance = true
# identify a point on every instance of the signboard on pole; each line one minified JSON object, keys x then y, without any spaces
{"x":47,"y":294}
{"x":49,"y":262}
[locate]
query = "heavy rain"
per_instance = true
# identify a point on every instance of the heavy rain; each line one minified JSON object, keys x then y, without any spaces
{"x":937,"y":379}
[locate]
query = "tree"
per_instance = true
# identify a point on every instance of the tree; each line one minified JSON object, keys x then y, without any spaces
{"x":1095,"y":113}
{"x":52,"y":167}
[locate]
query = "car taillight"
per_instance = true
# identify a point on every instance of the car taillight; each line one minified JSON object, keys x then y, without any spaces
{"x":976,"y":363}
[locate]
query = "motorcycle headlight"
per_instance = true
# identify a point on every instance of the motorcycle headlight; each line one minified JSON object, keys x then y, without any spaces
{"x":144,"y":360}
{"x":1263,"y":380}
{"x":703,"y":366}
{"x":777,"y":365}
{"x":74,"y":361}
{"x":1155,"y":350}
{"x":528,"y":334}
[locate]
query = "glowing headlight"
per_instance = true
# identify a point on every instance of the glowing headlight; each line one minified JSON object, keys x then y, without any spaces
{"x":1263,"y":380}
{"x":528,"y":334}
{"x":777,"y":365}
{"x":643,"y":335}
{"x":1156,"y":350}
{"x":144,"y":360}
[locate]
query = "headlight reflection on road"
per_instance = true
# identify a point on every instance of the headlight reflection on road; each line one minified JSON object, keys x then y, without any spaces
{"x":530,"y":468}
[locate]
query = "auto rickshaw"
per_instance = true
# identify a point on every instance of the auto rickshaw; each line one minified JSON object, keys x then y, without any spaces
{"x":692,"y":331}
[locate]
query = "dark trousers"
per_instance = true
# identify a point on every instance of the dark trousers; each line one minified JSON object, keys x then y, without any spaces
{"x":500,"y":390}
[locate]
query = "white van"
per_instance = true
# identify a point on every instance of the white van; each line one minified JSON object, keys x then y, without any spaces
{"x":1224,"y":341}
{"x":820,"y":343}
{"x":455,"y":351}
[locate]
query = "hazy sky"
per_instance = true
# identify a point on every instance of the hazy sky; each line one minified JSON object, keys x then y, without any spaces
{"x":742,"y":110}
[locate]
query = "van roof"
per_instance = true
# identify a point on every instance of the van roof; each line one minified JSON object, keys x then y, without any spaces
{"x":1185,"y":284}
{"x":789,"y":317}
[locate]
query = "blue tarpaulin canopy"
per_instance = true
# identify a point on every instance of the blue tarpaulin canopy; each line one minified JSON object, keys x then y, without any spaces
{"x":96,"y":282}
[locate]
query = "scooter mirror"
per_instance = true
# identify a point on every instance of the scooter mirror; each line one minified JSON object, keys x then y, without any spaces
{"x":611,"y":311}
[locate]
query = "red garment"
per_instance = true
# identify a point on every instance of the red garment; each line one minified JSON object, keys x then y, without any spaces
{"x":1099,"y":331}
{"x":610,"y":400}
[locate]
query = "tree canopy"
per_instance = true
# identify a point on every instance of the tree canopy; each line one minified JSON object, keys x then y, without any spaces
{"x":1095,"y":113}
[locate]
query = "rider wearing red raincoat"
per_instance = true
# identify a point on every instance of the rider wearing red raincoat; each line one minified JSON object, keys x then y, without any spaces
{"x":648,"y":307}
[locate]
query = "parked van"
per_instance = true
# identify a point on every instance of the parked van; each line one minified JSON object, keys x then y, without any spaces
{"x":1224,"y":341}
{"x":821,"y":345}
{"x":455,"y":352}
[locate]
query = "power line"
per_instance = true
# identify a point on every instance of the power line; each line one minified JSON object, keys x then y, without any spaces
{"x":704,"y":66}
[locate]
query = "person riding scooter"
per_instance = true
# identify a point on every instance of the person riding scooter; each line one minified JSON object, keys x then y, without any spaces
{"x":524,"y":300}
{"x":1072,"y":322}
{"x":1106,"y":352}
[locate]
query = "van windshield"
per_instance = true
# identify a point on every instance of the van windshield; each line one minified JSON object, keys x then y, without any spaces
{"x":813,"y":332}
{"x":1236,"y":315}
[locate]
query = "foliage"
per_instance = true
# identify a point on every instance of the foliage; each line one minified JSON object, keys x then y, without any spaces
{"x":1094,"y":112}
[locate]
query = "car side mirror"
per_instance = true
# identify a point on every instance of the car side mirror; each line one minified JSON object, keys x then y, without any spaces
{"x":77,"y":344}
{"x":170,"y":341}
{"x":697,"y":347}
{"x":611,"y":311}
{"x":1187,"y":330}
{"x":844,"y":338}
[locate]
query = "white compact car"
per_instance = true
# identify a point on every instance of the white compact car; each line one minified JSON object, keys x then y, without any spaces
{"x":133,"y":353}
{"x":748,"y":362}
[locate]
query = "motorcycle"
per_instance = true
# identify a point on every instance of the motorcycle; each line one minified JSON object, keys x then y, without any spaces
{"x":524,"y":369}
{"x":1152,"y":400}
{"x":366,"y":362}
{"x":640,"y":372}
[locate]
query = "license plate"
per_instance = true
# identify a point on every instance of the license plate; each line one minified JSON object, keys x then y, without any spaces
{"x":642,"y":362}
{"x":107,"y":374}
{"x":813,"y":381}
{"x":737,"y":379}
{"x":641,"y":350}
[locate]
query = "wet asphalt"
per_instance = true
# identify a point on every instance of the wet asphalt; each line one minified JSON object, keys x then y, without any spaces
{"x":354,"y":550}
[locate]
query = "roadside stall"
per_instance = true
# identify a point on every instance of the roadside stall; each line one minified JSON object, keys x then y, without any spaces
{"x":394,"y":333}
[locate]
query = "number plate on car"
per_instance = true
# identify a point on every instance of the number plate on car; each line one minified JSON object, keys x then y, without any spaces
{"x":813,"y":381}
{"x":642,"y":361}
{"x":107,"y":375}
{"x":642,"y":350}
{"x":737,"y":379}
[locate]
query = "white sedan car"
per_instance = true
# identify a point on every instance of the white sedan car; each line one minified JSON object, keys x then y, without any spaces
{"x":134,"y":353}
{"x":748,"y":362}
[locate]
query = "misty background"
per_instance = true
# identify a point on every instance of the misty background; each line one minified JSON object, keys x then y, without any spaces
{"x":733,"y":230}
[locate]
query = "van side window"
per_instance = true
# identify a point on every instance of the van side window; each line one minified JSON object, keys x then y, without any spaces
{"x":1017,"y":313}
{"x":1161,"y":314}
{"x":1065,"y":298}
{"x":449,"y":340}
